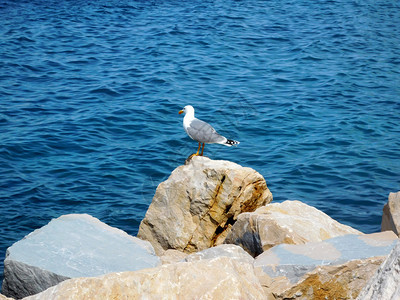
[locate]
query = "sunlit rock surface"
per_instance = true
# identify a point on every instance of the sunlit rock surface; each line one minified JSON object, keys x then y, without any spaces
{"x":221,"y":278}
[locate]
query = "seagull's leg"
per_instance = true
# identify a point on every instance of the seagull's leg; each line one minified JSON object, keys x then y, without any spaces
{"x":198,"y":149}
{"x":202,"y":149}
{"x":194,"y":154}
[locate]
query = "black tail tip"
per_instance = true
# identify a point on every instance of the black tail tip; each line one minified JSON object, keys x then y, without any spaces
{"x":232,"y":142}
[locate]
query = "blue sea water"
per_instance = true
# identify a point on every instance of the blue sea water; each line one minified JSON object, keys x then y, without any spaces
{"x":90,"y":93}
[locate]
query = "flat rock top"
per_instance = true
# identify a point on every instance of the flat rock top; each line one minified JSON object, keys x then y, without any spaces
{"x":332,"y":251}
{"x":80,"y":245}
{"x":198,"y":164}
{"x":215,"y":164}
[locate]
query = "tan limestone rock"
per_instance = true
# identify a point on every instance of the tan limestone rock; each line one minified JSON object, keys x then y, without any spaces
{"x":219,"y":278}
{"x":194,"y":209}
{"x":391,"y":214}
{"x":289,"y":222}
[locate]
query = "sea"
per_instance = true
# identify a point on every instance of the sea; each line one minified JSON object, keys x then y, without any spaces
{"x":90,"y":93}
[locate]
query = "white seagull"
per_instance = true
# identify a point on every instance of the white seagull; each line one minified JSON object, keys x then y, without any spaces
{"x":201,"y":131}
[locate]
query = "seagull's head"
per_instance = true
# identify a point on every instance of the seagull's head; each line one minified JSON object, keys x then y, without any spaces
{"x":188,"y":109}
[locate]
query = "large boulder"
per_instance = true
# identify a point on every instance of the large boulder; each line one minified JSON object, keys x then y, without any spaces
{"x":391,"y":214}
{"x":71,"y":246}
{"x":385,"y":283}
{"x":219,"y":278}
{"x":194,"y":209}
{"x":289,"y":222}
{"x":337,"y":268}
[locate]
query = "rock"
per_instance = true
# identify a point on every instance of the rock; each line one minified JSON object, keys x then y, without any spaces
{"x":2,"y":297}
{"x":331,"y":282}
{"x":290,"y":222}
{"x":385,"y":283}
{"x":316,"y":270}
{"x":196,"y":206}
{"x":71,"y":246}
{"x":172,"y":256}
{"x":391,"y":214}
{"x":231,"y":251}
{"x":219,"y":278}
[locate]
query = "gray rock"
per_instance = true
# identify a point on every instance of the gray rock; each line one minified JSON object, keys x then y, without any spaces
{"x":391,"y":214}
{"x":385,"y":284}
{"x":71,"y":246}
{"x":293,"y":261}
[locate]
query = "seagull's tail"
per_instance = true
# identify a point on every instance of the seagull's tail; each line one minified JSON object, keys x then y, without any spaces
{"x":230,"y":143}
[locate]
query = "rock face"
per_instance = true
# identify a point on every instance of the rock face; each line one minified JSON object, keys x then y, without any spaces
{"x":337,"y":268}
{"x":290,"y":222}
{"x":196,"y":206}
{"x":71,"y":246}
{"x":219,"y":278}
{"x":385,"y":284}
{"x":391,"y":214}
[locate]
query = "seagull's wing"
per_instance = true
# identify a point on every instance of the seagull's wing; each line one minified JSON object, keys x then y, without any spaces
{"x":204,"y":132}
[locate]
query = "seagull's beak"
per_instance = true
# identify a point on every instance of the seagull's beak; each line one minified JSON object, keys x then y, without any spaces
{"x":181,"y":112}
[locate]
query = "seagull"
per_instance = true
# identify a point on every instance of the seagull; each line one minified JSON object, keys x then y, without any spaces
{"x":201,"y":131}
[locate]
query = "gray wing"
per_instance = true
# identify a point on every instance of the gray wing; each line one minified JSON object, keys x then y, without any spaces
{"x":203,"y":132}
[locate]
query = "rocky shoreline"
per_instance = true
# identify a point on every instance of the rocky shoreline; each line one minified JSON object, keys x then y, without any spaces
{"x":211,"y":232}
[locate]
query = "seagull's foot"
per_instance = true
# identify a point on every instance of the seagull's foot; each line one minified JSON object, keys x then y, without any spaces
{"x":190,"y":157}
